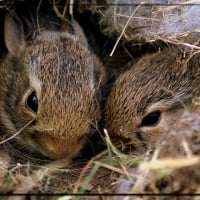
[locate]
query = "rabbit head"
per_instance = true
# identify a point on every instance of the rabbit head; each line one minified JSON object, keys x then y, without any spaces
{"x":52,"y":83}
{"x":151,"y":95}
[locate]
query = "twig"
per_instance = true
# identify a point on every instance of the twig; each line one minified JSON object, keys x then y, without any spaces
{"x":17,"y":133}
{"x":84,"y":170}
{"x":128,"y":21}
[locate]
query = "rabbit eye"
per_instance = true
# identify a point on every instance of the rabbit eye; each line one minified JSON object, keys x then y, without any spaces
{"x":32,"y":102}
{"x":151,"y":119}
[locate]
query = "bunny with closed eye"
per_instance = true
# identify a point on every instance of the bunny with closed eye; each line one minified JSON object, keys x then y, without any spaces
{"x":50,"y":86}
{"x":151,"y":95}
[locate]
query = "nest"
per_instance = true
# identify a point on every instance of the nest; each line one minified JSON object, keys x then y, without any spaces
{"x":175,"y":168}
{"x":147,"y":21}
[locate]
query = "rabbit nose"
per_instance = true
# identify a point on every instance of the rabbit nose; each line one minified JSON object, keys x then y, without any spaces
{"x":57,"y":148}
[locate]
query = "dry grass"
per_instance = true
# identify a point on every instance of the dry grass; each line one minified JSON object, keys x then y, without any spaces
{"x":148,"y":21}
{"x":172,"y":167}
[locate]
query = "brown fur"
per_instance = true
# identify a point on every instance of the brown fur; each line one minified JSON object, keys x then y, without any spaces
{"x":66,"y":78}
{"x":164,"y":81}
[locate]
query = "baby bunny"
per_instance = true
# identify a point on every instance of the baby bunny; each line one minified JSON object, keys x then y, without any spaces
{"x":50,"y":86}
{"x":151,"y":95}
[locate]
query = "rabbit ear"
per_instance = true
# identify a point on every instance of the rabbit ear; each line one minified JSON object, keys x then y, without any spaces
{"x":14,"y":34}
{"x":79,"y":32}
{"x":74,"y":28}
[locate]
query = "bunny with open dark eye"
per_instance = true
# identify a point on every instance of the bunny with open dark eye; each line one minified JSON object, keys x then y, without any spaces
{"x":52,"y":81}
{"x":151,"y":95}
